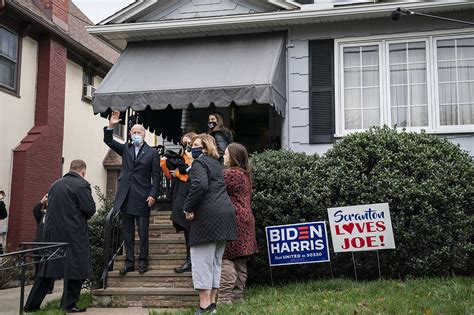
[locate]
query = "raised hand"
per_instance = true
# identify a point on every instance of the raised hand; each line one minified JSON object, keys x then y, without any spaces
{"x":114,"y":119}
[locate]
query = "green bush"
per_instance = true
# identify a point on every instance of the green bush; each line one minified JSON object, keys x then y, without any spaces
{"x":96,"y":236}
{"x":427,"y":180}
{"x":283,"y":193}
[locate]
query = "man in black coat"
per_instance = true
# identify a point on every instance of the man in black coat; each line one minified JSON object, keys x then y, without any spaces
{"x":137,"y":190}
{"x":70,"y":205}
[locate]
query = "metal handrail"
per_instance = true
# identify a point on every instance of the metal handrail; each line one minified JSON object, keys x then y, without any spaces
{"x":113,"y":242}
{"x":46,"y":251}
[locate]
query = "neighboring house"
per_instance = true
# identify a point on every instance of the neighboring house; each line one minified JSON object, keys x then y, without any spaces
{"x":49,"y":65}
{"x":309,"y":73}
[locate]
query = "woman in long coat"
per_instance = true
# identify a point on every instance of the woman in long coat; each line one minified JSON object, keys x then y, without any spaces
{"x":176,"y":168}
{"x":239,"y":187}
{"x":212,"y":220}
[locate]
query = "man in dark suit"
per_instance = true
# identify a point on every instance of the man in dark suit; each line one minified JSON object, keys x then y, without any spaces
{"x":137,"y":190}
{"x":70,"y":205}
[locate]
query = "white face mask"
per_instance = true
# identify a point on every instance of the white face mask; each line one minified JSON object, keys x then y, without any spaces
{"x":226,"y":160}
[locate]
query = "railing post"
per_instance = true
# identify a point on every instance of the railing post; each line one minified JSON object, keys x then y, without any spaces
{"x":22,"y":261}
{"x":64,"y":299}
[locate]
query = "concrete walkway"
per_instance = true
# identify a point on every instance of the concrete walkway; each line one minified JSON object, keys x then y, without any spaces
{"x":10,"y":303}
{"x":10,"y":298}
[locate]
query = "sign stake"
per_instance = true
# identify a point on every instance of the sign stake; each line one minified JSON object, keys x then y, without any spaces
{"x":330,"y":268}
{"x":354,"y":263}
{"x":378,"y":264}
{"x":271,"y":275}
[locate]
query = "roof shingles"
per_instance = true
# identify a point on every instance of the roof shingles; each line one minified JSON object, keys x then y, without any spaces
{"x":77,"y":21}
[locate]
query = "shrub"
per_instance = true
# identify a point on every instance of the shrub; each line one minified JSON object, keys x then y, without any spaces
{"x":427,"y":181}
{"x":282,"y":194}
{"x":96,"y":236}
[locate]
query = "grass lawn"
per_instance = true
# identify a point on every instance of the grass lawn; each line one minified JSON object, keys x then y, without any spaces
{"x":447,"y":296}
{"x":417,"y":296}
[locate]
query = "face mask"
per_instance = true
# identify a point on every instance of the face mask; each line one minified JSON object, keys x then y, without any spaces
{"x":137,"y":139}
{"x":212,"y":124}
{"x":226,"y":160}
{"x":196,"y":152}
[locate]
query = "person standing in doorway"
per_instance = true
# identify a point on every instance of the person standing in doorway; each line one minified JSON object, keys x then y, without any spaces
{"x":137,"y":190}
{"x":221,"y":134}
{"x":70,"y":206}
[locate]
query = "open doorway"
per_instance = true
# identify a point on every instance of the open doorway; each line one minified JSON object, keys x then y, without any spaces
{"x":257,"y":126}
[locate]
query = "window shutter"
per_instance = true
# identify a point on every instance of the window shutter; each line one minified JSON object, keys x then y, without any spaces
{"x":321,"y":87}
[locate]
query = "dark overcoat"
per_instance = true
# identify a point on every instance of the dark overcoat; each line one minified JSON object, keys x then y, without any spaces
{"x":70,"y":205}
{"x":3,"y":210}
{"x":38,"y":214}
{"x":214,"y":215}
{"x":139,"y":178}
{"x":223,"y":138}
{"x":178,"y":193}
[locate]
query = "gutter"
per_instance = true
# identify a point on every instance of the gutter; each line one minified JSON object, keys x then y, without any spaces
{"x":59,"y":33}
{"x":267,"y":19}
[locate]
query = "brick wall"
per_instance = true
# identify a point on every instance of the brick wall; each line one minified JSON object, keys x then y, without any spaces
{"x":37,"y":161}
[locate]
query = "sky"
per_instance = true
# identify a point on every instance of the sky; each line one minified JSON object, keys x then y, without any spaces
{"x":98,"y":10}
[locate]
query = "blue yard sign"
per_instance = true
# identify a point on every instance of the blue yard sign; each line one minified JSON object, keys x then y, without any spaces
{"x":301,"y":243}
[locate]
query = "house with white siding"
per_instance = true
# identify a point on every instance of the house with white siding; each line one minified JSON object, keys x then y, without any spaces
{"x":297,"y":75}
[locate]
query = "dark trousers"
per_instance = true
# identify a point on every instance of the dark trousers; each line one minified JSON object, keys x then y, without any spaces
{"x":128,"y":234}
{"x":186,"y":238}
{"x":40,"y":289}
{"x":37,"y":259}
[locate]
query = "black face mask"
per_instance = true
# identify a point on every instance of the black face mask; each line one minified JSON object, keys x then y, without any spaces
{"x":212,"y":124}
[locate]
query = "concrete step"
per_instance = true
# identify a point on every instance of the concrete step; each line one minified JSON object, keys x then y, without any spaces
{"x":162,"y":231}
{"x":160,"y":214}
{"x":156,"y":262}
{"x":164,"y":246}
{"x":160,"y":217}
{"x":150,"y":279}
{"x":146,"y":297}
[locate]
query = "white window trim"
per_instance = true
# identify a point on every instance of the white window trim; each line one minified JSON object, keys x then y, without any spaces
{"x":16,"y":73}
{"x":429,"y":96}
{"x":431,"y":39}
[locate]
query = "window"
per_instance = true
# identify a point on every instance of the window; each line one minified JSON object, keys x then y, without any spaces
{"x":87,"y":85}
{"x":361,"y":87}
{"x":421,"y":83}
{"x":455,"y":67}
{"x":8,"y":59}
{"x":408,"y":84}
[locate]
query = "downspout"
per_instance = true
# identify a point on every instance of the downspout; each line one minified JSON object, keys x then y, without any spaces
{"x":286,"y":128}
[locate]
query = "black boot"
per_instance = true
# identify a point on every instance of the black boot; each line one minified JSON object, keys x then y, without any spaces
{"x":185,"y":267}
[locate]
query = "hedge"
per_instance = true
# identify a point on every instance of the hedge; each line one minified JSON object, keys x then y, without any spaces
{"x":427,"y":181}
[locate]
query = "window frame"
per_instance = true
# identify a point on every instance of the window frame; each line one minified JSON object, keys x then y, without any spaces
{"x":340,"y":115}
{"x":449,"y":128}
{"x":431,"y":38}
{"x":86,"y":73}
{"x":5,"y":88}
{"x":429,"y":85}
